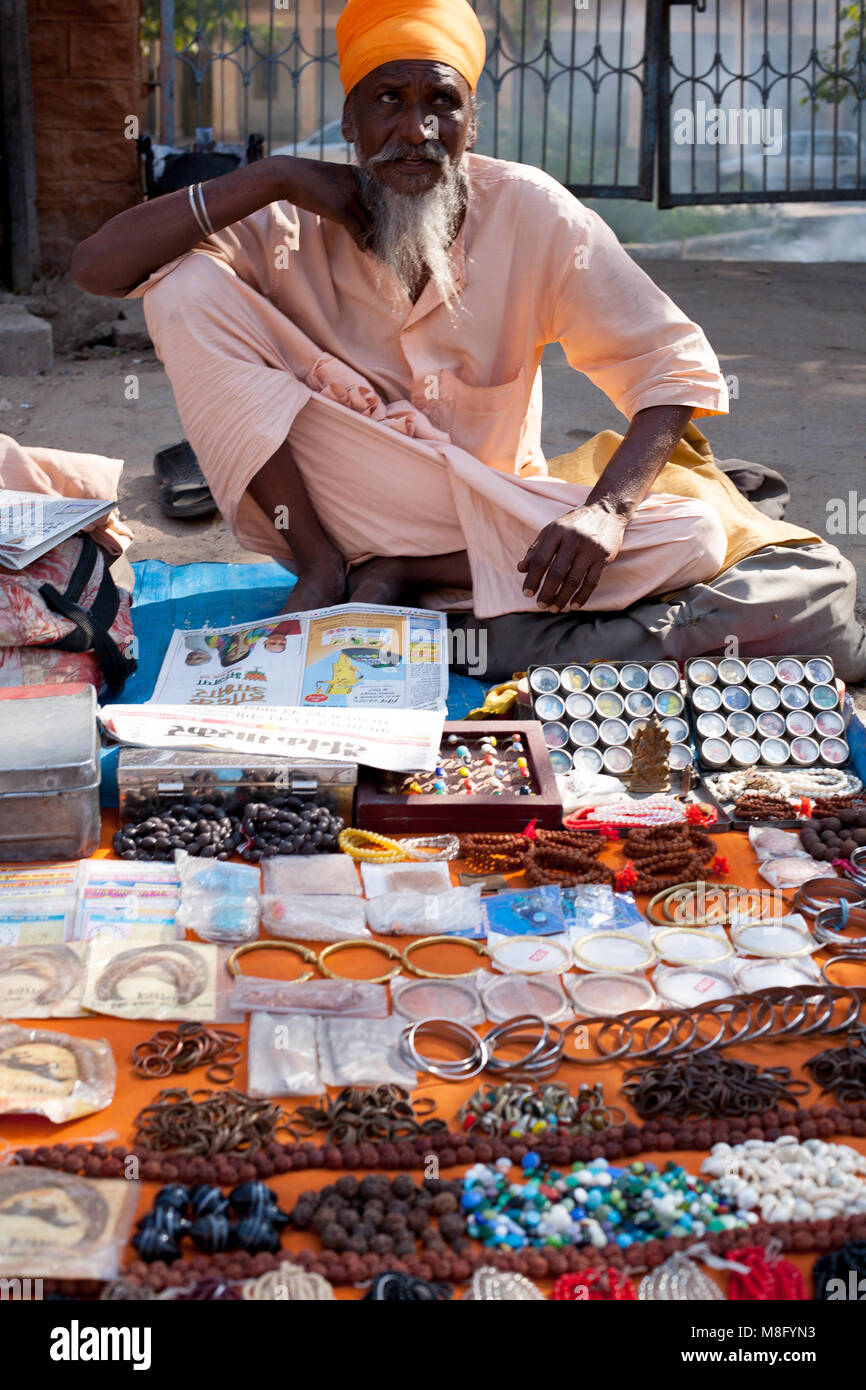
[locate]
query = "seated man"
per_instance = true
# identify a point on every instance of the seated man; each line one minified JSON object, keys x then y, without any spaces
{"x":355,"y":353}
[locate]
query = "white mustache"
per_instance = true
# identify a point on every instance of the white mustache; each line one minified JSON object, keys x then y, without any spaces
{"x":432,"y":150}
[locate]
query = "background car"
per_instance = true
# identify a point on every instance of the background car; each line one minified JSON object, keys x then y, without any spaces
{"x":771,"y":171}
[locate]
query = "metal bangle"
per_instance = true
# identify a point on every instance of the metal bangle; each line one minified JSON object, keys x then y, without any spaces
{"x":209,"y":231}
{"x":858,"y":864}
{"x":852,"y":1018}
{"x":735,"y":1003}
{"x":664,"y":897}
{"x":302,"y":951}
{"x":586,"y":1021}
{"x":820,"y":893}
{"x":463,"y":1068}
{"x":543,"y":1057}
{"x":390,"y":951}
{"x":676,"y":1018}
{"x":710,"y":1043}
{"x":849,"y":958}
{"x":829,"y":935}
{"x":478,"y":946}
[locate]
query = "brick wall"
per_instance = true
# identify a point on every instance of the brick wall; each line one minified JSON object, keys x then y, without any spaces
{"x":86,"y":71}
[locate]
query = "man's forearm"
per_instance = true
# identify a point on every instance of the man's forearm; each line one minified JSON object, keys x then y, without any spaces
{"x":629,"y":475}
{"x":136,"y":242}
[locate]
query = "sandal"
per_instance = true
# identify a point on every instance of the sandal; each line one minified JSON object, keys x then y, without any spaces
{"x":184,"y":494}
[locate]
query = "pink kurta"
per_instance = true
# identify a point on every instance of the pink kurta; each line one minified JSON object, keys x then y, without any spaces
{"x":282,"y":311}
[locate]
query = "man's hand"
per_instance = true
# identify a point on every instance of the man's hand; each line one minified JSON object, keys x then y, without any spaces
{"x":568,"y":557}
{"x":329,"y":190}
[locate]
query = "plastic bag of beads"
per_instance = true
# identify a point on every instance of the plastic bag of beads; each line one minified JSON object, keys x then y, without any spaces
{"x":455,"y":913}
{"x":363,"y":1052}
{"x":588,"y":905}
{"x":769,"y":843}
{"x":217,"y":876}
{"x":457,"y":1000}
{"x":791,"y":872}
{"x":311,"y":873}
{"x":219,"y":919}
{"x":509,"y":996}
{"x":344,"y":998}
{"x":282,"y":1058}
{"x":526,"y":912}
{"x":314,"y":917}
{"x":42,"y":981}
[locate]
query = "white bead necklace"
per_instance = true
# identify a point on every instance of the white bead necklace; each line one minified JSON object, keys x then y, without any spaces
{"x":789,"y":1181}
{"x":792,"y":785}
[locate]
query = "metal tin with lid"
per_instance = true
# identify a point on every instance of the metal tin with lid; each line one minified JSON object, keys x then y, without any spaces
{"x":794,"y":696}
{"x":830,"y":723}
{"x":707,"y":698}
{"x":639,"y":704}
{"x":804,"y":751}
{"x":765,"y":697}
{"x":555,"y":734}
{"x":613,"y":731}
{"x":790,"y":671}
{"x":549,"y":707}
{"x":732,"y":671}
{"x":49,"y":773}
{"x":677,"y":729}
{"x":609,"y":705}
{"x":741,"y":724}
{"x":633,"y":676}
{"x":544,"y":680}
{"x":603,"y":677}
{"x":587,"y":759}
{"x":701,"y":672}
{"x":711,"y":726}
{"x":716,"y":752}
{"x":735,"y":697}
{"x":745,"y":752}
{"x":617,"y":759}
{"x":679,"y":756}
{"x":579,"y":706}
{"x":583,"y":733}
{"x":800,"y":723}
{"x":761,"y":671}
{"x":774,"y":751}
{"x":824,"y":697}
{"x":664,"y":675}
{"x":834,"y":751}
{"x":770,"y":724}
{"x":575,"y":678}
{"x":819,"y":671}
{"x":669,"y":702}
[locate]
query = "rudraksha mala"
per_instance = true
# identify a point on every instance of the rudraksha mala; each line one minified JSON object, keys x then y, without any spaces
{"x":494,"y":854}
{"x":757,"y":806}
{"x":565,"y":865}
{"x":667,"y":855}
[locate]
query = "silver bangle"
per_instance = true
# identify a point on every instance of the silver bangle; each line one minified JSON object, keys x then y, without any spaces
{"x":194,"y":210}
{"x":461,"y":1069}
{"x":829,"y":925}
{"x":203,"y":209}
{"x":809,"y":901}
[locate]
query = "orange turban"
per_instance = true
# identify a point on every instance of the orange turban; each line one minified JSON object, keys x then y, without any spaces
{"x":373,"y":32}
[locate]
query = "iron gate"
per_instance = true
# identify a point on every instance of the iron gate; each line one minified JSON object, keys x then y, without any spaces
{"x":697,"y":101}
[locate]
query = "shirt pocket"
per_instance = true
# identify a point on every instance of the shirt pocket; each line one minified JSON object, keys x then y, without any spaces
{"x":486,"y":421}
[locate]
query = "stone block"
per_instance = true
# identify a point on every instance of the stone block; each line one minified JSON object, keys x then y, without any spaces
{"x":25,"y":342}
{"x":103,"y":50}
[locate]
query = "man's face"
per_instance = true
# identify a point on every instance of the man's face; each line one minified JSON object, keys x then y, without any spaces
{"x":275,"y":644}
{"x":413,"y":114}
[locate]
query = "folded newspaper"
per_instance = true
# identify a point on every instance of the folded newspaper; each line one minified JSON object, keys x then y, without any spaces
{"x":32,"y":523}
{"x":358,"y":656}
{"x":399,"y":740}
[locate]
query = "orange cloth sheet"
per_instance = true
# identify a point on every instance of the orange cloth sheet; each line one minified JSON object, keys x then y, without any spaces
{"x":133,"y":1093}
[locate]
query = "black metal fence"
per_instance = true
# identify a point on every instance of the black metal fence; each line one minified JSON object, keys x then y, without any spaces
{"x":703,"y":101}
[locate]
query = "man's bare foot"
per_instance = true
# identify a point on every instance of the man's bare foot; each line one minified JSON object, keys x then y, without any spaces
{"x":318,"y":587}
{"x":381,"y":580}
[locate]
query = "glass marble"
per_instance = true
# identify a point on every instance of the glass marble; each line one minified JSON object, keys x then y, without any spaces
{"x":712,"y":726}
{"x":761,"y":671}
{"x":823,"y":697}
{"x":560,"y":760}
{"x":609,"y":705}
{"x":555,"y":735}
{"x":579,"y":706}
{"x":701,"y":672}
{"x":613,"y":731}
{"x":664,"y":675}
{"x":789,"y":670}
{"x":639,"y":704}
{"x":742,"y":724}
{"x":745,"y":752}
{"x":834,"y":750}
{"x":765,"y":697}
{"x":549,"y":707}
{"x":770,"y":725}
{"x":669,"y":702}
{"x":732,"y":671}
{"x":544,"y":680}
{"x":676,"y":729}
{"x":575,"y":678}
{"x":819,"y":671}
{"x":633,"y":677}
{"x":706,"y":697}
{"x":716,"y":752}
{"x":800,"y":722}
{"x":587,"y":759}
{"x":804,"y":751}
{"x":735,"y":697}
{"x":794,"y":696}
{"x":680,"y":755}
{"x":617,"y":759}
{"x":830,"y":723}
{"x":603,"y":677}
{"x":774,"y":751}
{"x":583,"y":733}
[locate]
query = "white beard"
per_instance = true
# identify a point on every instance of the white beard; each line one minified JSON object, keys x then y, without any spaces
{"x":412,"y":233}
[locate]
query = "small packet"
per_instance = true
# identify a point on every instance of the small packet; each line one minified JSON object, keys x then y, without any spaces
{"x":314,"y":916}
{"x":53,"y":1074}
{"x":33,"y":922}
{"x":771,"y":843}
{"x":218,"y":919}
{"x":42,"y":981}
{"x":363,"y":1052}
{"x":56,"y":1225}
{"x":406,"y":878}
{"x":754,"y":975}
{"x":589,"y":906}
{"x":790,"y":871}
{"x":166,"y":980}
{"x":285,"y":874}
{"x":457,"y":1000}
{"x":281,"y":1056}
{"x":457,"y":912}
{"x":217,"y":876}
{"x":526,"y":912}
{"x":345,"y":998}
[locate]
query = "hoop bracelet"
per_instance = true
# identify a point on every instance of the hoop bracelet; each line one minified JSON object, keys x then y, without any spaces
{"x":818,"y":893}
{"x":540,"y":1061}
{"x":666,"y":894}
{"x":478,"y":946}
{"x":858,"y":864}
{"x":830,"y":922}
{"x":461,"y":1069}
{"x":387,"y":950}
{"x":849,"y":958}
{"x":303,"y":951}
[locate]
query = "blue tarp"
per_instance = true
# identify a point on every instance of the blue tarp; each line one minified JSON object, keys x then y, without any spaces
{"x":189,"y":596}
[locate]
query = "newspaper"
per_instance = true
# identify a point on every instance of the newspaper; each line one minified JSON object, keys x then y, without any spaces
{"x":32,"y":523}
{"x":399,"y":740}
{"x":349,"y":656}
